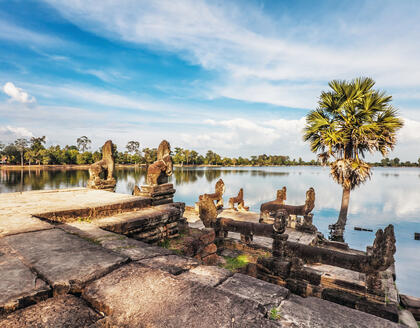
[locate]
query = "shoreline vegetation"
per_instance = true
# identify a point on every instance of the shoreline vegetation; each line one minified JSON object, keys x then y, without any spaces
{"x":144,"y":166}
{"x":32,"y":153}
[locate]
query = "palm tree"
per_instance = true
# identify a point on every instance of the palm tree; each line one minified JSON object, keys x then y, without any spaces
{"x":351,"y":120}
{"x":83,"y":143}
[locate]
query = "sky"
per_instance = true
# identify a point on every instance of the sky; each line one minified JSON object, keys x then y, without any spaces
{"x":236,"y":77}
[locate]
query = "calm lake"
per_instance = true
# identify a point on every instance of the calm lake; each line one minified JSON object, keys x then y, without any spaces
{"x":392,"y":196}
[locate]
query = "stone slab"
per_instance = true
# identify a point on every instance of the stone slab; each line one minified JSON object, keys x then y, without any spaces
{"x":63,"y":311}
{"x":173,"y":264}
{"x":128,"y":247}
{"x":19,"y":286}
{"x":136,"y":296}
{"x":266,"y":294}
{"x":17,"y":209}
{"x":206,"y":275}
{"x":67,"y":262}
{"x":11,"y":225}
{"x":313,"y":312}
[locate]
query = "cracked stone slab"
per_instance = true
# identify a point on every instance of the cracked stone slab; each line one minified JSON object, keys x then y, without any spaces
{"x":266,"y":294}
{"x":67,"y":262}
{"x":313,"y":312}
{"x":63,"y":311}
{"x":206,"y":275}
{"x":173,"y":264}
{"x":19,"y":286}
{"x":138,"y":296}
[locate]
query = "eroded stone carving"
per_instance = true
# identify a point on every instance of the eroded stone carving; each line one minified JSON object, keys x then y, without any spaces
{"x":161,"y":169}
{"x":267,"y":210}
{"x":217,"y":195}
{"x":238,"y":200}
{"x":101,"y":173}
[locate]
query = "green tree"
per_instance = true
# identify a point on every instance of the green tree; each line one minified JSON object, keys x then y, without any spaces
{"x":37,"y":143}
{"x":133,"y":147}
{"x":21,"y":144}
{"x":31,"y":156}
{"x":351,"y":119}
{"x":83,"y":143}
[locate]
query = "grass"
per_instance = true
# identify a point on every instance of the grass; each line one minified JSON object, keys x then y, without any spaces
{"x":235,"y":263}
{"x":84,"y":219}
{"x":164,"y":243}
{"x":274,"y":314}
{"x":418,"y":324}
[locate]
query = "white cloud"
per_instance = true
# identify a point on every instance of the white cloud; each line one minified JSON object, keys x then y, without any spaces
{"x":254,"y":53}
{"x":17,"y":94}
{"x":10,"y":133}
{"x":244,"y":137}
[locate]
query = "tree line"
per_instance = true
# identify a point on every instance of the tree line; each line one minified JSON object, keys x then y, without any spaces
{"x":33,"y":151}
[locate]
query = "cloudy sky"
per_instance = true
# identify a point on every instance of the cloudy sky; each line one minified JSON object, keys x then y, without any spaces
{"x":237,"y":77}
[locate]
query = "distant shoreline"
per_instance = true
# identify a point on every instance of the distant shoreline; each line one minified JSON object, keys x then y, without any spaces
{"x":86,"y":166}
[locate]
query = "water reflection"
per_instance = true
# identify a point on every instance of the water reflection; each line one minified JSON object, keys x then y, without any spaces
{"x":392,"y":196}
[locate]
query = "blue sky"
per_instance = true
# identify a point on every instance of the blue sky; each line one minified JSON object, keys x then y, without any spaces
{"x":237,"y":77}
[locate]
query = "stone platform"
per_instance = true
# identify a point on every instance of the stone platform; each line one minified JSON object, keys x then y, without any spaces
{"x":76,"y":274}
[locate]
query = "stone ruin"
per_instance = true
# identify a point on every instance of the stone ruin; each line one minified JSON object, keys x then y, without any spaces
{"x":299,"y":216}
{"x":323,"y":269}
{"x":238,"y":200}
{"x":101,"y":173}
{"x":217,"y":195}
{"x":157,"y":186}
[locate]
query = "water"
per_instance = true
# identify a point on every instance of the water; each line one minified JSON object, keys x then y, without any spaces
{"x":392,"y":196}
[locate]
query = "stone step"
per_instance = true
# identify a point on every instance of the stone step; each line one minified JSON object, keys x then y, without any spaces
{"x":134,"y":203}
{"x":141,"y":220}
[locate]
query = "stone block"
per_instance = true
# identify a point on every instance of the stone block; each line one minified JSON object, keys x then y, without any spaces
{"x":208,"y":235}
{"x":312,"y":312}
{"x":266,"y":294}
{"x":63,"y":311}
{"x":206,"y":275}
{"x":209,"y":249}
{"x":67,"y":262}
{"x":19,"y":286}
{"x":212,"y":259}
{"x":137,"y":296}
{"x":173,"y":264}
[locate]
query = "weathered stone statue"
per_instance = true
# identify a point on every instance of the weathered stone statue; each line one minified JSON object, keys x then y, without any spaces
{"x":238,"y":200}
{"x":267,"y":209}
{"x":161,"y":169}
{"x":101,"y":173}
{"x":217,"y":195}
{"x":380,"y":257}
{"x":157,"y":186}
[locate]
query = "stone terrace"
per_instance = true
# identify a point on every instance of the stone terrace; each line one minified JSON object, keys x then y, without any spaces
{"x":76,"y":274}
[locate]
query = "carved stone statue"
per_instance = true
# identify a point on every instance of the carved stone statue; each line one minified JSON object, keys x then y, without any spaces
{"x":101,"y":173}
{"x":267,"y":209}
{"x":239,"y":200}
{"x":217,"y":195}
{"x":159,"y":171}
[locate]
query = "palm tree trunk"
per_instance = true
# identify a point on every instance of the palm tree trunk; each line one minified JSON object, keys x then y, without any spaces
{"x":337,"y":229}
{"x":342,"y":217}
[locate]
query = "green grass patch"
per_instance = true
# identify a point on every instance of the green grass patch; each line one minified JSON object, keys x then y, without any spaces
{"x":418,"y":324}
{"x":235,"y":263}
{"x":84,"y":219}
{"x":274,"y":314}
{"x":164,"y":243}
